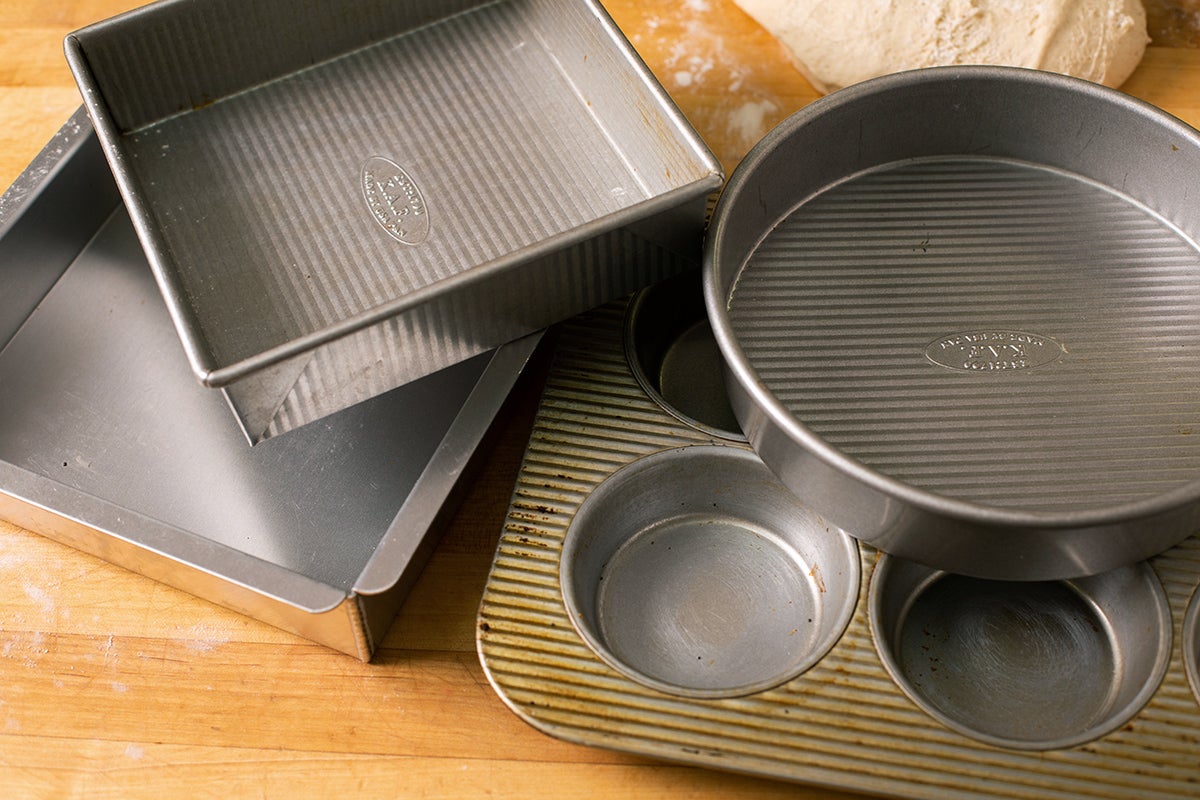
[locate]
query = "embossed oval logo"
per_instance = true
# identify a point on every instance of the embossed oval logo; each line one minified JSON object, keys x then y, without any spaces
{"x":993,"y":351}
{"x":394,"y":200}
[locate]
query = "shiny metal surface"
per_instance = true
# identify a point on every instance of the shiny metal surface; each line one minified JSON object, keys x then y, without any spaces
{"x":961,"y":332}
{"x":107,"y":441}
{"x":1190,"y":644}
{"x":695,"y":572}
{"x":673,"y":355}
{"x":388,"y":188}
{"x":843,"y":723}
{"x":1028,"y":665}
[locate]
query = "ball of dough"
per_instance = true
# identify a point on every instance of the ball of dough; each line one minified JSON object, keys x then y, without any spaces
{"x":839,"y":43}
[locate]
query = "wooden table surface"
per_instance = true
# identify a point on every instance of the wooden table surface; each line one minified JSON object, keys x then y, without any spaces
{"x":114,"y":685}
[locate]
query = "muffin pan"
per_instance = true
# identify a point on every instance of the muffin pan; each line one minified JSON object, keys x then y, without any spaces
{"x":860,"y":715}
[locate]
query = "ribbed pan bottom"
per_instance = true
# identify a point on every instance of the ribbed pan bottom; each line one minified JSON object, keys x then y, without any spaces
{"x":986,"y":330}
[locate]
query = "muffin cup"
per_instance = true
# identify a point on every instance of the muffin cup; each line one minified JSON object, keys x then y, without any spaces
{"x":695,"y":572}
{"x":1191,"y":643}
{"x":674,"y":357}
{"x":1027,"y":665}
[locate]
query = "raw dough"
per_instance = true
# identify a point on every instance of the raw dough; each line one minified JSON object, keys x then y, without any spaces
{"x":837,"y":43}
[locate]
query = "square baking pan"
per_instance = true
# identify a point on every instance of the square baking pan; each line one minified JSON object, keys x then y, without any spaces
{"x":340,"y":197}
{"x":107,"y":442}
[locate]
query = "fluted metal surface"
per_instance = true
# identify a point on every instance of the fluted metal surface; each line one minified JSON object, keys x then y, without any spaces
{"x":842,"y":724}
{"x":380,"y":160}
{"x":842,"y":308}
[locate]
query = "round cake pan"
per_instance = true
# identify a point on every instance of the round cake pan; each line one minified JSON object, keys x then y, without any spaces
{"x":1031,"y":666}
{"x":695,"y":572}
{"x":958,"y":309}
{"x":672,"y":353}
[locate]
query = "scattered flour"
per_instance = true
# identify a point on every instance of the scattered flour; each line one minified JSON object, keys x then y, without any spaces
{"x":43,"y":599}
{"x":698,"y":59}
{"x":691,"y":59}
{"x":11,"y":557}
{"x":25,"y":647}
{"x":749,"y":121}
{"x":201,"y":638}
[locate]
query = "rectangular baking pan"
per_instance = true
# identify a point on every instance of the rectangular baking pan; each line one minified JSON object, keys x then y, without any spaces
{"x":844,"y":723}
{"x":109,"y":444}
{"x":340,"y":196}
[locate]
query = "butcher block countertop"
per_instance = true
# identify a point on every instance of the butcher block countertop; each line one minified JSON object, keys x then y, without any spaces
{"x":112,"y":685}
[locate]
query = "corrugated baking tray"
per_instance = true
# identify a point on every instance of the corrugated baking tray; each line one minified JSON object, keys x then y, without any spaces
{"x":340,"y":197}
{"x":844,"y":723}
{"x":108,"y":443}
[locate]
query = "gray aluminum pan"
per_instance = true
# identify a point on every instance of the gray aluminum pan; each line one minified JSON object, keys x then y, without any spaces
{"x":958,"y":307}
{"x":842,"y":724}
{"x":1026,"y":665}
{"x":695,"y":572}
{"x":109,"y":444}
{"x":339,"y":196}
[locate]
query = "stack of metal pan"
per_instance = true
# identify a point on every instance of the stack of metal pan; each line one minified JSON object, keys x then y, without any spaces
{"x":955,"y":310}
{"x":343,"y":224}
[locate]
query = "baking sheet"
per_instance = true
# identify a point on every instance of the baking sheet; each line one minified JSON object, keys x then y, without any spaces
{"x":844,"y":724}
{"x":108,"y":442}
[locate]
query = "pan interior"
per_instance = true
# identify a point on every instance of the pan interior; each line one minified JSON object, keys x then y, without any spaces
{"x":709,"y":603}
{"x":695,"y":572}
{"x":672,"y":353}
{"x":985,"y":329}
{"x":1029,"y":665}
{"x":1014,"y":659}
{"x":1191,"y":643}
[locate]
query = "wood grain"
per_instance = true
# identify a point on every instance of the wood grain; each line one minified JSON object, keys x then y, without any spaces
{"x":112,"y":685}
{"x":1173,"y":23}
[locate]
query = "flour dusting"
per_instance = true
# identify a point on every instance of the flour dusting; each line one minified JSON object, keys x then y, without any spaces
{"x":749,"y":122}
{"x":26,"y":648}
{"x":201,"y":638}
{"x":43,"y":599}
{"x":735,"y":103}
